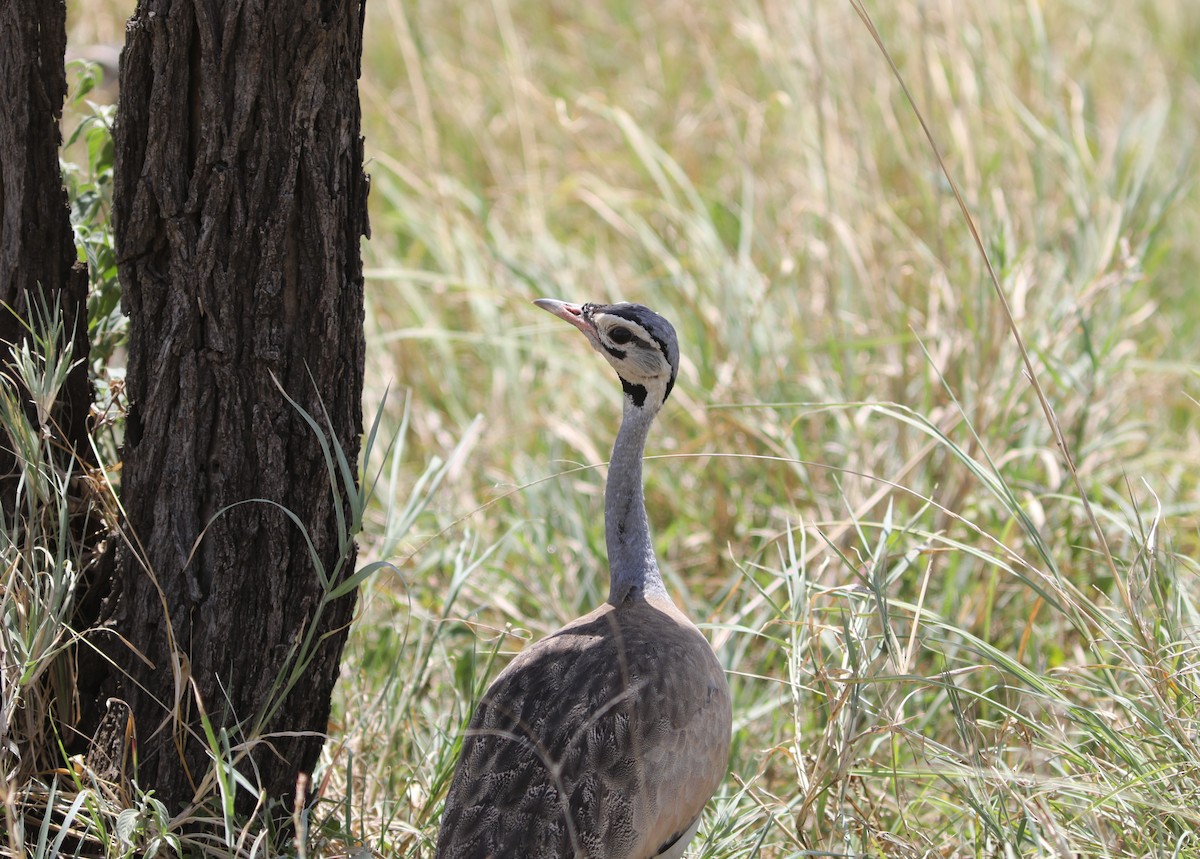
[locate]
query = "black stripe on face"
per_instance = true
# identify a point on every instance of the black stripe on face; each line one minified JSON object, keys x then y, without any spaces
{"x":616,"y":353}
{"x":639,"y":328}
{"x":662,"y":347}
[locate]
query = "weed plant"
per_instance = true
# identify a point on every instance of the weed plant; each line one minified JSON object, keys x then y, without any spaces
{"x":952,"y":576}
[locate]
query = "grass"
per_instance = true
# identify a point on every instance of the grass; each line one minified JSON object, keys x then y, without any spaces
{"x":935,"y":648}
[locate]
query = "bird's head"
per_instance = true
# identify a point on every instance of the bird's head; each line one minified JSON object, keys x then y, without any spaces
{"x":640,"y":345}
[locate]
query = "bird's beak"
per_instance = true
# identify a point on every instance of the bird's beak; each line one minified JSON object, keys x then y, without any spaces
{"x":573,"y":313}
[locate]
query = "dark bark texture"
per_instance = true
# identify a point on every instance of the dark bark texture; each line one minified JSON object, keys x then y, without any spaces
{"x":37,"y":251}
{"x":240,"y":202}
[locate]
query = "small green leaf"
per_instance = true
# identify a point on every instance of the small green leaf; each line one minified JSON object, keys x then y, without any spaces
{"x":128,"y":826}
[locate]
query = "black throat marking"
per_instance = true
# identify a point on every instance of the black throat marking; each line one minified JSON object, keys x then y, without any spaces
{"x":637,"y":393}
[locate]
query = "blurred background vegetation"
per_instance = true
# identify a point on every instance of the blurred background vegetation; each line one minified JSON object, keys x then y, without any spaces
{"x":936,"y":647}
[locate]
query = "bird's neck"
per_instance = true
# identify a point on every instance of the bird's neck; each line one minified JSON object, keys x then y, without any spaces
{"x":632,"y":566}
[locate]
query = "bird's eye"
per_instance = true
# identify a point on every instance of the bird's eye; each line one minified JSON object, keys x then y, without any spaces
{"x":620,"y":335}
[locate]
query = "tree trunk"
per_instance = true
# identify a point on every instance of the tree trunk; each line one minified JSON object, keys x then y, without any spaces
{"x":239,"y":204}
{"x":40,"y":277}
{"x":38,"y":261}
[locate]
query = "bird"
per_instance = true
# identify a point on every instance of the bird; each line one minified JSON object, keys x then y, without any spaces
{"x":606,"y":739}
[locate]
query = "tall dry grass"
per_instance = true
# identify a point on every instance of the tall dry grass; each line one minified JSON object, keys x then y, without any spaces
{"x":935,"y":649}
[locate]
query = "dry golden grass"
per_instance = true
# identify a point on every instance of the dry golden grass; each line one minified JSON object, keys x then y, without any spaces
{"x":854,"y":484}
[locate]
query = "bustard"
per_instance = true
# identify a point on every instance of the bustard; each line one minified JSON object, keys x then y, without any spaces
{"x":605,"y":739}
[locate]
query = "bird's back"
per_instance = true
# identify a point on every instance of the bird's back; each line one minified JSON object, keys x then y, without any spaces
{"x":602,"y":741}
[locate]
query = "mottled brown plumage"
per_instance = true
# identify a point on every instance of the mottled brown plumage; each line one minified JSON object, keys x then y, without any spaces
{"x":605,"y":739}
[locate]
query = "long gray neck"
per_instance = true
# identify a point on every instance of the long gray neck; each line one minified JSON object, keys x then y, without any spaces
{"x":632,"y":565}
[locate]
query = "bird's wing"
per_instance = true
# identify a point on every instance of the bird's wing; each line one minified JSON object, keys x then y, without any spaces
{"x":579,"y":746}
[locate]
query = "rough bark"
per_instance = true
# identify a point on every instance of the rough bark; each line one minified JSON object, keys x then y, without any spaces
{"x":37,"y":251}
{"x":239,"y":203}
